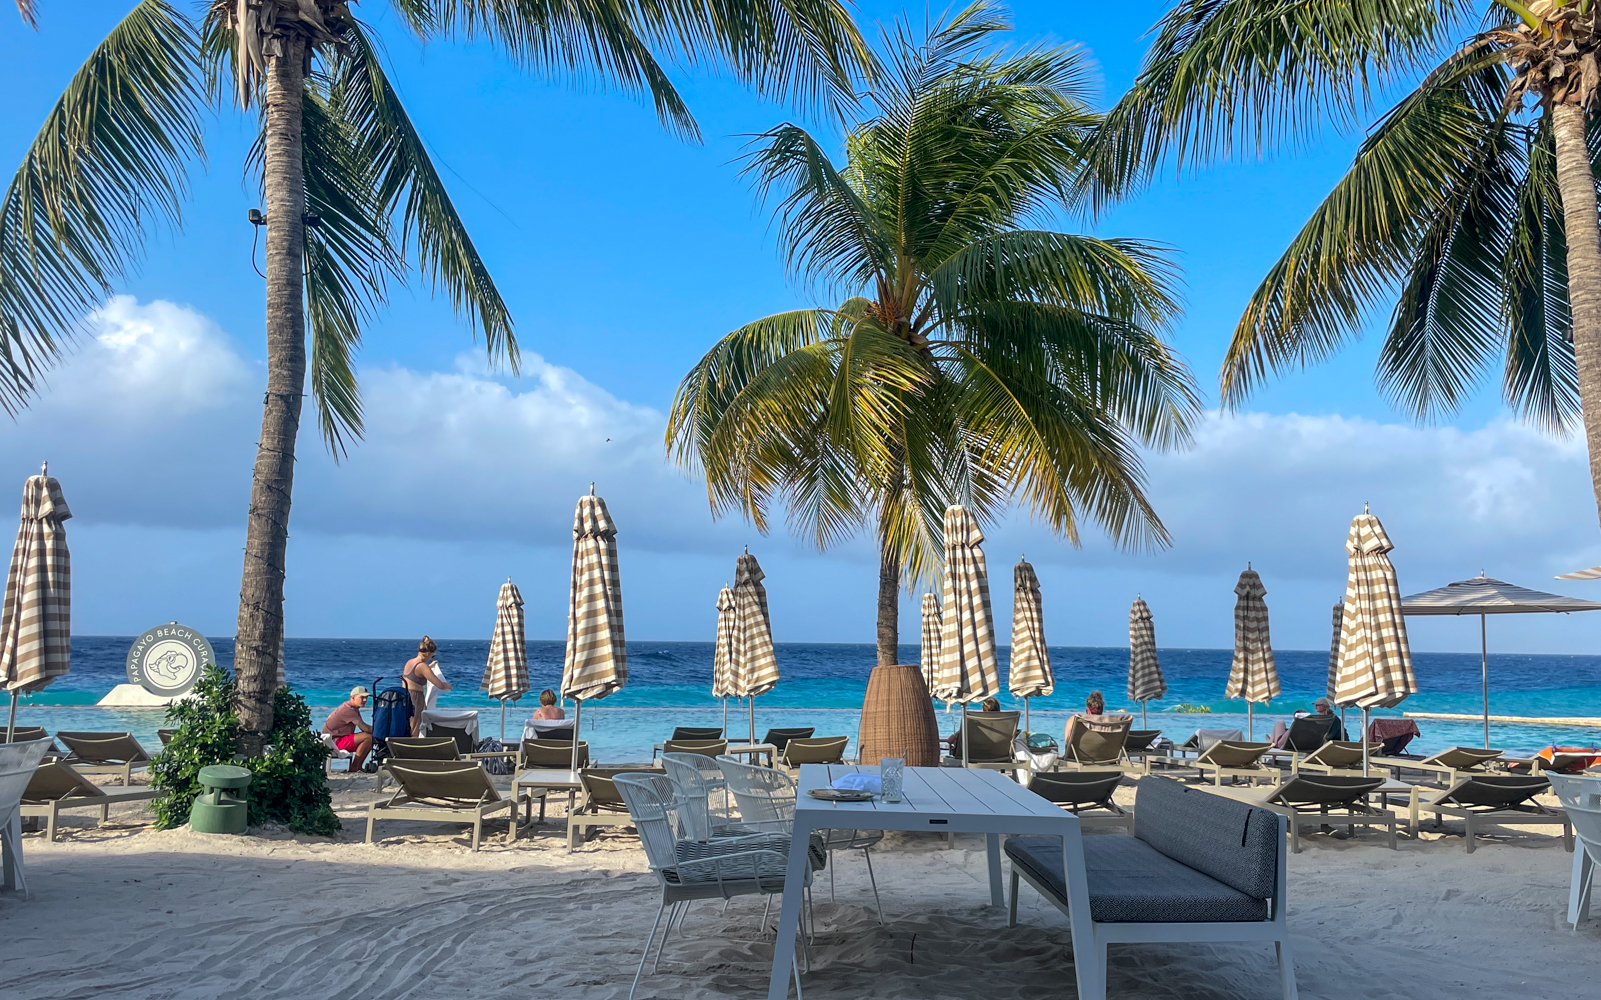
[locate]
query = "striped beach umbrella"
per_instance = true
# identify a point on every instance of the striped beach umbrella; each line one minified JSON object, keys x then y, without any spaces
{"x":723,"y":652}
{"x":1145,"y":680}
{"x":1374,"y":668}
{"x":1028,"y":671}
{"x":506,"y":672}
{"x":928,"y":654}
{"x":35,"y":620}
{"x":596,"y":662}
{"x":1253,"y":675}
{"x":967,"y":669}
{"x":755,"y":665}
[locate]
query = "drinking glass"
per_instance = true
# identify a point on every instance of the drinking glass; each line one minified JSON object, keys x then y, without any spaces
{"x":892,"y":770}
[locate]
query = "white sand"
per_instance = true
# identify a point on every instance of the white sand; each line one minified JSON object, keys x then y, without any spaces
{"x":129,"y":912}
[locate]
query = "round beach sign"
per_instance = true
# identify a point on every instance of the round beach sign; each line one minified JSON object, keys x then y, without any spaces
{"x":167,"y":660}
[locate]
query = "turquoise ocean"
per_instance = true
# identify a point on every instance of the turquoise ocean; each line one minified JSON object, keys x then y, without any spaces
{"x":669,"y":684}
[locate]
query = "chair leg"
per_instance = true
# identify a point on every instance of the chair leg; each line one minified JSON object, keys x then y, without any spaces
{"x":1011,"y":916}
{"x":831,"y":897}
{"x":672,"y":912}
{"x":478,"y":825}
{"x":1579,"y":888}
{"x":867,"y":855}
{"x":1467,"y":823}
{"x":646,"y":954}
{"x":766,"y":910}
{"x":1286,"y":969}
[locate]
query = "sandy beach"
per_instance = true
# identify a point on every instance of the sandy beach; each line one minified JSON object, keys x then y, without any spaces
{"x":127,"y":911}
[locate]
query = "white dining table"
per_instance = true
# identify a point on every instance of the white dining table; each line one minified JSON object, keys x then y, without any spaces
{"x":935,"y":799}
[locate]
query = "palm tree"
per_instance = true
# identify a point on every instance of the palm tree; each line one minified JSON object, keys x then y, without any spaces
{"x":971,"y":359}
{"x":350,"y":193}
{"x":1471,"y":205}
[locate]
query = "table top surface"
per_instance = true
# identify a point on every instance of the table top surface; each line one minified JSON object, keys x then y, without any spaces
{"x":940,"y":791}
{"x":548,"y":777}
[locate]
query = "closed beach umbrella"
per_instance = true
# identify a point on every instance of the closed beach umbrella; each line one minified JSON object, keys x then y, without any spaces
{"x":723,"y":652}
{"x":506,"y":672}
{"x":755,"y":665}
{"x":1145,"y":680}
{"x":1253,"y":675}
{"x":928,"y":654}
{"x":967,"y":669}
{"x":35,"y":621}
{"x":596,"y":663}
{"x":1028,"y":672}
{"x":1334,"y":661}
{"x":1484,"y":596}
{"x":1375,"y":662}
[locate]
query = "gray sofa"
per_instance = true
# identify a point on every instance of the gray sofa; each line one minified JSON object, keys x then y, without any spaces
{"x":1200,"y":867}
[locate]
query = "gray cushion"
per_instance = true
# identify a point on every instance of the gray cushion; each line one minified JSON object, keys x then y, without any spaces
{"x":1130,"y":881}
{"x":1232,"y":842}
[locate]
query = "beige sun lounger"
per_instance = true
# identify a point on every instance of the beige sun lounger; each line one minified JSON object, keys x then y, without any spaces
{"x":814,"y":750}
{"x":1320,"y":800}
{"x":602,"y":804}
{"x":1339,"y":757}
{"x":1453,"y":765}
{"x":1481,"y":800}
{"x":105,"y":753}
{"x":1095,"y":743}
{"x":1082,"y":792}
{"x":59,"y":786}
{"x":991,"y":737}
{"x":1236,"y":759}
{"x":443,"y":791}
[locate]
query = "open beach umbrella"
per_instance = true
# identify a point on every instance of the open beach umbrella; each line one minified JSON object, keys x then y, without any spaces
{"x":506,"y":672}
{"x":35,"y":620}
{"x":1253,"y":675}
{"x":1145,"y":680}
{"x":1484,"y":596}
{"x":1375,"y":662}
{"x":755,"y":665}
{"x":596,"y":663}
{"x":967,"y":627}
{"x":723,"y":652}
{"x":1028,"y":671}
{"x":928,"y":653}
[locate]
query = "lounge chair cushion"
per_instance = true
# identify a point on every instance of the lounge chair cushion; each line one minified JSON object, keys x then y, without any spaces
{"x":1233,"y":842}
{"x":1132,"y":882}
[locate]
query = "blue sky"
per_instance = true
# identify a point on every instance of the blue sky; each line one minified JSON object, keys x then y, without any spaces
{"x":624,"y":253}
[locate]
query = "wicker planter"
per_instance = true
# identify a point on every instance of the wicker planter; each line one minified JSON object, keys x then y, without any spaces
{"x":897,"y":716}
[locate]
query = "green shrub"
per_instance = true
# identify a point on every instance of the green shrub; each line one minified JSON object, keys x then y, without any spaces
{"x":288,"y":785}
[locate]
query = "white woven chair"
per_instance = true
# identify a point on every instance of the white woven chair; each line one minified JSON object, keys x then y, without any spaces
{"x":1581,"y":800}
{"x":688,"y":869}
{"x":18,"y":761}
{"x":699,"y":785}
{"x":766,"y":800}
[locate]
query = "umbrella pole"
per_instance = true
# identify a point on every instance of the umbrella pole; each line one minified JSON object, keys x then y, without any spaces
{"x":1026,"y":727}
{"x":725,"y":716}
{"x":753,"y":719}
{"x":963,"y":731}
{"x":578,"y":721}
{"x":11,"y":726}
{"x":1250,"y":720}
{"x":502,"y":722}
{"x":1364,"y":742}
{"x":1484,"y":676}
{"x":1143,"y":724}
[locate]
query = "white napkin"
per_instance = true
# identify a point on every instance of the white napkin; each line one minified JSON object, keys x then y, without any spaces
{"x":857,"y":781}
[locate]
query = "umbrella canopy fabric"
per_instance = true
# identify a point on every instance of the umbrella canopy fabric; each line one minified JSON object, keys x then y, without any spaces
{"x":1485,"y":595}
{"x":1028,"y":672}
{"x":1253,"y":675}
{"x":506,"y":672}
{"x":1593,"y":573}
{"x":928,"y":654}
{"x":597,"y":660}
{"x":1334,"y":652}
{"x":967,"y":670}
{"x":35,"y":620}
{"x":1375,"y":662}
{"x":723,"y":654}
{"x":1145,"y":680}
{"x":755,"y":665}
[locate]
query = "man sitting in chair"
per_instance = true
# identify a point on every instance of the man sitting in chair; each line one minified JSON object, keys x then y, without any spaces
{"x":954,"y":740}
{"x":350,"y":733}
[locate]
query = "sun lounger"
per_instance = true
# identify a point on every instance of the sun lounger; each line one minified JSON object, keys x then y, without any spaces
{"x":1081,"y":791}
{"x":815,"y":750}
{"x":1320,"y":800}
{"x":1481,"y":800}
{"x":1580,"y":796}
{"x":105,"y":753}
{"x":602,"y":804}
{"x":166,"y":735}
{"x":1183,"y":754}
{"x":60,"y":786}
{"x":1307,"y":733}
{"x":990,"y":737}
{"x":1336,"y":757}
{"x":555,"y":755}
{"x":681,"y":733}
{"x":712,"y":748}
{"x":423,"y":748}
{"x":26,"y":734}
{"x":1140,"y":750}
{"x":1095,"y":742}
{"x":1452,"y":765}
{"x":18,"y":762}
{"x":779,"y":738}
{"x":1231,"y":759}
{"x":462,"y":737}
{"x":442,"y":792}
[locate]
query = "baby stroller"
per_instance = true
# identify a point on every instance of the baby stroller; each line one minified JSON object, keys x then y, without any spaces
{"x":391,"y":716}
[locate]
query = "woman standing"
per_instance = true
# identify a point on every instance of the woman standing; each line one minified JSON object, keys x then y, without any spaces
{"x":419,"y":672}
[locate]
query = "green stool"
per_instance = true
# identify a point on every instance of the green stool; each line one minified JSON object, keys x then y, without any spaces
{"x":221,"y":808}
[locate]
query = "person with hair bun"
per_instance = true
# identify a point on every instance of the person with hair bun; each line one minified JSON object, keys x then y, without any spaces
{"x":419,"y":672}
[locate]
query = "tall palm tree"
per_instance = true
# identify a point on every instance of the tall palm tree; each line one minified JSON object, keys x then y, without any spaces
{"x":971,"y":359}
{"x":1471,"y":205}
{"x":350,"y":193}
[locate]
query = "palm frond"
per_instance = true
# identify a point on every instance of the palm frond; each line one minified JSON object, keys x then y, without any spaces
{"x":110,"y":160}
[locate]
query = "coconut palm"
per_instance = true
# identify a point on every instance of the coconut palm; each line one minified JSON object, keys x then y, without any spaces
{"x":970,"y":358}
{"x":350,"y":194}
{"x":1471,"y":205}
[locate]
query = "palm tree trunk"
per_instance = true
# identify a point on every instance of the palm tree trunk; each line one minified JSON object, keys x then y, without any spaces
{"x":259,"y":645}
{"x":889,"y":597}
{"x":1577,"y":183}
